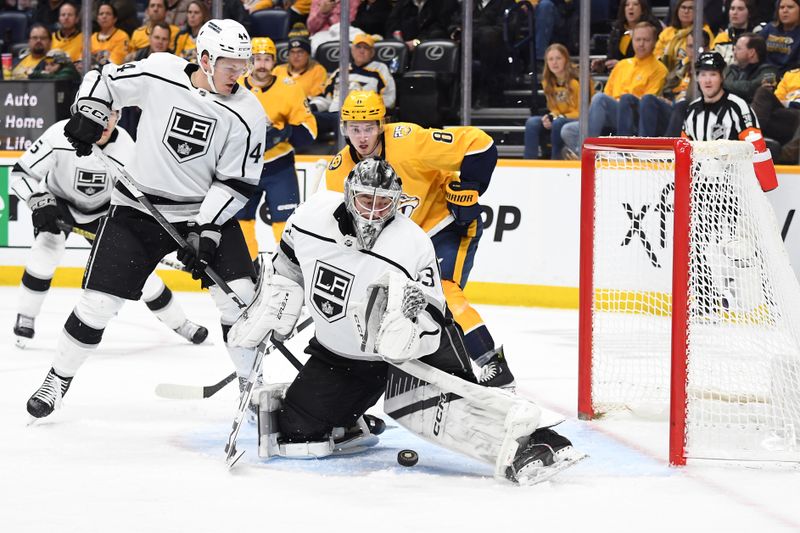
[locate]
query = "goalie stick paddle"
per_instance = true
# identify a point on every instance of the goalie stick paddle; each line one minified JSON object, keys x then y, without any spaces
{"x":175,"y":391}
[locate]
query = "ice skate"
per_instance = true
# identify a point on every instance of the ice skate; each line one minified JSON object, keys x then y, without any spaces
{"x":23,"y":330}
{"x":192,"y":332}
{"x":45,"y":400}
{"x":495,"y":373}
{"x":546,"y":454}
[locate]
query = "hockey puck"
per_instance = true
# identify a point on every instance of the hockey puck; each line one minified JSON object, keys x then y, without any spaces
{"x":407,"y":457}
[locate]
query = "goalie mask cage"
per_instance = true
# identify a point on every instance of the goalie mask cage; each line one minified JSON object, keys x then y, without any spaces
{"x":688,"y":302}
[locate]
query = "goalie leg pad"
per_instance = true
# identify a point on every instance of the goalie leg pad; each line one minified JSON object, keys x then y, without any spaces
{"x":270,"y":402}
{"x":490,"y":430}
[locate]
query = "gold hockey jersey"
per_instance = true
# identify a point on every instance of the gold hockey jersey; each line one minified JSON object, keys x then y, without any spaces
{"x":426,"y":161}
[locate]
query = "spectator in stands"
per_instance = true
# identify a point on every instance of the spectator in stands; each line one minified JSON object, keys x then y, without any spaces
{"x":488,"y":48}
{"x":38,"y":46}
{"x":671,"y":46}
{"x":662,"y":115}
{"x":196,"y":15}
{"x":412,"y":21}
{"x":325,"y":13}
{"x":749,"y":70}
{"x":306,"y":72}
{"x":783,"y":36}
{"x":47,"y":13}
{"x":159,"y":41}
{"x":364,"y":75}
{"x":616,"y":108}
{"x":562,"y":90}
{"x":778,"y":113}
{"x":251,"y":6}
{"x":68,"y":37}
{"x":156,"y":12}
{"x":177,"y":12}
{"x":298,"y":11}
{"x":56,"y":66}
{"x":127,"y":14}
{"x":372,"y":16}
{"x":109,"y":43}
{"x":741,"y":19}
{"x":620,"y":45}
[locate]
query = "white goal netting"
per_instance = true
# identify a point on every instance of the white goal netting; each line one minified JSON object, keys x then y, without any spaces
{"x":743,"y":330}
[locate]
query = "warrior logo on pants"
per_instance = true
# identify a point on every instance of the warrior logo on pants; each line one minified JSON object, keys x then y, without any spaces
{"x":330,"y":291}
{"x":90,"y":182}
{"x":188,"y":135}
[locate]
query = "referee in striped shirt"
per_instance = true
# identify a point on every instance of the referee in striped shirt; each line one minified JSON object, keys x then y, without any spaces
{"x":720,"y":115}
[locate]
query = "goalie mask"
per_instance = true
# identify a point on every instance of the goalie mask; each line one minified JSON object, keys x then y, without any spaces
{"x":371,"y":194}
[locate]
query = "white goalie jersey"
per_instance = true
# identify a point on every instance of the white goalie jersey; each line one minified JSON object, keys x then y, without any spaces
{"x":198,"y":153}
{"x":336,"y":273}
{"x":50,"y":164}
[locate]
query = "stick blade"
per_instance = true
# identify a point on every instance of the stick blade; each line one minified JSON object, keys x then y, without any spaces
{"x":174,"y":391}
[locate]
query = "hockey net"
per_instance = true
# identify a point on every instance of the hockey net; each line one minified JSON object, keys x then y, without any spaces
{"x":689,"y":306}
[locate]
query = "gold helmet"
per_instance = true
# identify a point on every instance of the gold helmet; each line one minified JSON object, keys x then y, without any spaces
{"x":264,"y":45}
{"x":363,"y":106}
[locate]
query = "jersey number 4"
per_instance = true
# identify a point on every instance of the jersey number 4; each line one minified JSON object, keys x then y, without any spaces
{"x":256,"y":154}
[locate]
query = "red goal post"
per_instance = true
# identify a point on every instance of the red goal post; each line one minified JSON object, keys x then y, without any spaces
{"x":672,"y":316}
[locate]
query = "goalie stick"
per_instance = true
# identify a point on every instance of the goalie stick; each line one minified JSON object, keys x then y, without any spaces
{"x":175,"y":391}
{"x":91,"y":236}
{"x":232,"y":455}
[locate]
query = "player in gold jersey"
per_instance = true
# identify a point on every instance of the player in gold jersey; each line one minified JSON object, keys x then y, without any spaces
{"x":444,"y":171}
{"x":290,"y":124}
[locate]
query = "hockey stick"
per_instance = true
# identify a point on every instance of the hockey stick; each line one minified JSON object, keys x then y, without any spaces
{"x":231,"y":454}
{"x":91,"y":236}
{"x":127,"y":181}
{"x":175,"y":391}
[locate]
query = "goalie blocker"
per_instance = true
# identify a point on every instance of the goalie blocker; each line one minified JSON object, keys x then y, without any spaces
{"x":372,"y":286}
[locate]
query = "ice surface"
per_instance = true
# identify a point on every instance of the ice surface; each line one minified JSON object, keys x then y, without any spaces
{"x":118,"y":459}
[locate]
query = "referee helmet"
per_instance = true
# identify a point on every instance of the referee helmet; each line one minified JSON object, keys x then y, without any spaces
{"x":710,"y":61}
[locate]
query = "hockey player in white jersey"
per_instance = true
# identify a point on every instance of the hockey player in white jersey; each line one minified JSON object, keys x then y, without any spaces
{"x":371,"y":283}
{"x":58,"y":186}
{"x":199,"y":147}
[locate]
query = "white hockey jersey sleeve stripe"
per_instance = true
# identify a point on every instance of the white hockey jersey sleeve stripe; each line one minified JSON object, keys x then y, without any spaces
{"x":221,"y":203}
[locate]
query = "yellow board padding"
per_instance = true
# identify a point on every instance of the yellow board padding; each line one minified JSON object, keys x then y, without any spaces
{"x":71,"y":277}
{"x":477,"y":292}
{"x":636,"y":302}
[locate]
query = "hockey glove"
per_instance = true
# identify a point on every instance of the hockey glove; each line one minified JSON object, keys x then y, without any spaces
{"x":276,"y":136}
{"x":85,"y":127}
{"x":462,"y":200}
{"x":45,"y":212}
{"x":398,"y":337}
{"x":202,"y":247}
{"x":276,"y":307}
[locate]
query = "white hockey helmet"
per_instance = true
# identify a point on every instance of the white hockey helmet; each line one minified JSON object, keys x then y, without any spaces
{"x":372,"y":193}
{"x":222,"y":38}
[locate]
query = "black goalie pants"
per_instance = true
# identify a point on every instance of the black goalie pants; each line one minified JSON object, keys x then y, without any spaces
{"x":333,"y":391}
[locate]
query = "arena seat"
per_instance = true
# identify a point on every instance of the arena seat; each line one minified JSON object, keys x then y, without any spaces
{"x":327,"y":55}
{"x":14,"y":24}
{"x":272,"y":23}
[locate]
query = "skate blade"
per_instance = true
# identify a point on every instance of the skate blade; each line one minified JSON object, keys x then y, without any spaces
{"x":539,"y":475}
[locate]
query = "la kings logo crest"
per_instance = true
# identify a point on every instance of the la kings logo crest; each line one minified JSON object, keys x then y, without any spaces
{"x":330,"y":291}
{"x":188,"y":135}
{"x":90,"y":183}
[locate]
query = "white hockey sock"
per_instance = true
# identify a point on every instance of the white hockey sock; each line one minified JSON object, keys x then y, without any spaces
{"x":242,"y":358}
{"x":45,"y":254}
{"x":160,"y":301}
{"x":84,"y":329}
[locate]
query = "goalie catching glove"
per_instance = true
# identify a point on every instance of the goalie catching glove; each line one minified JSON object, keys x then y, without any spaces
{"x":276,"y":307}
{"x":398,"y":334}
